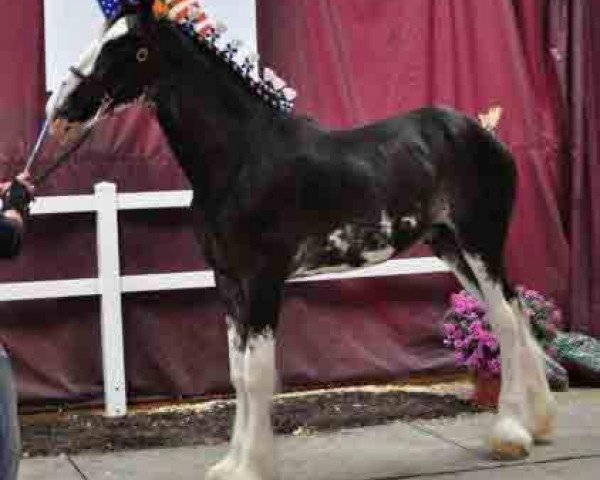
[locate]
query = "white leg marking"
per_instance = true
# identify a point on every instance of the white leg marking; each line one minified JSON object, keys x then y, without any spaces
{"x":225,"y":467}
{"x":464,"y":281}
{"x":510,"y":436}
{"x":84,"y":65}
{"x":258,"y":451}
{"x":540,"y":400}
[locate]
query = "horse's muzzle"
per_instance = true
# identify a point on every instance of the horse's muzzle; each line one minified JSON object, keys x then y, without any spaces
{"x":66,"y":131}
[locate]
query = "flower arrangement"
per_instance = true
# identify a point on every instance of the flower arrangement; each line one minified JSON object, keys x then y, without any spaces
{"x":467,"y":330}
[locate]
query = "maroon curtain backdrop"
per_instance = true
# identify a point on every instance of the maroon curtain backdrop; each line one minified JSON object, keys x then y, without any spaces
{"x":352,"y":61}
{"x":22,"y":86}
{"x":582,"y":22}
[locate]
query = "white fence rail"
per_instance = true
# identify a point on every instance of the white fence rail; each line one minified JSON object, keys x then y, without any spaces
{"x":110,"y":285}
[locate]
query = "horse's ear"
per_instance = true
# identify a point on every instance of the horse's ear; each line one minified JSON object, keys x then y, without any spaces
{"x":146,"y":5}
{"x":141,"y":7}
{"x":146,"y":9}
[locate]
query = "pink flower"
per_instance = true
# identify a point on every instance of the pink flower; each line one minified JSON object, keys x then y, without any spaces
{"x":458,"y":334}
{"x":459,"y":358}
{"x":491,"y":342}
{"x":494,"y":366}
{"x":474,"y":361}
{"x":556,"y":318}
{"x":532,"y":295}
{"x":476,"y":327}
{"x":449,"y":329}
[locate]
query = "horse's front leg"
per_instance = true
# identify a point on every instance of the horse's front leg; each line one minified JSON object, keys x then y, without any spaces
{"x":232,"y":295}
{"x":260,"y":321}
{"x":226,"y":467}
{"x":258,"y":450}
{"x":252,"y":364}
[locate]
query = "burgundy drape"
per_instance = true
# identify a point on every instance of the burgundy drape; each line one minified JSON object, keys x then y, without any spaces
{"x":352,"y":61}
{"x":581,"y":20}
{"x":22,"y":86}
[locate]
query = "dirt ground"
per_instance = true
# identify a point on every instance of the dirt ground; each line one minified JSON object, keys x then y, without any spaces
{"x":210,"y":423}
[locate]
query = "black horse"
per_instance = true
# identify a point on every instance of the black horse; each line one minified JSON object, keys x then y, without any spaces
{"x":277,"y":195}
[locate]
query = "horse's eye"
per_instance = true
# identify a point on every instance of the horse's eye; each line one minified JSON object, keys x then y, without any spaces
{"x":142,"y":54}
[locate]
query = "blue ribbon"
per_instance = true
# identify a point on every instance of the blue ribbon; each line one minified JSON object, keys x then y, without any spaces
{"x":112,"y":8}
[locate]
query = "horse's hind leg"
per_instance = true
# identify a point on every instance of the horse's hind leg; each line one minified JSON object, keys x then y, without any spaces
{"x":511,"y":435}
{"x":525,"y":401}
{"x":541,"y":402}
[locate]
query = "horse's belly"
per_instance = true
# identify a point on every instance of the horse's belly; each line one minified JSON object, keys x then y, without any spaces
{"x":354,"y":245}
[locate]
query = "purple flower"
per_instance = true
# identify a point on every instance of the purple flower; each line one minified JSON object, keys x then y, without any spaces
{"x":494,"y":365}
{"x":449,"y":329}
{"x":533,"y":295}
{"x":459,"y":358}
{"x":491,"y":341}
{"x":458,"y":334}
{"x":476,"y":327}
{"x":469,"y":333}
{"x":474,"y":361}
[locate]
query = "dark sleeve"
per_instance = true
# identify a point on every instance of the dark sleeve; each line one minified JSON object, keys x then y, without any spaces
{"x":10,"y":238}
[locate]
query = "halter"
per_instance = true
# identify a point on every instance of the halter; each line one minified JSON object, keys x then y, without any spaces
{"x":74,"y":145}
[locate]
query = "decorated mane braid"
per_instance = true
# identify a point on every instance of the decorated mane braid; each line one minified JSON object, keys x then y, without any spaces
{"x":269,"y":87}
{"x":192,"y":19}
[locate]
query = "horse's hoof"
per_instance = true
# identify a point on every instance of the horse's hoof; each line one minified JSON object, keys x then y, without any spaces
{"x":509,"y":440}
{"x":544,"y":416}
{"x":502,"y":450}
{"x":222,"y":470}
{"x":543,"y":430}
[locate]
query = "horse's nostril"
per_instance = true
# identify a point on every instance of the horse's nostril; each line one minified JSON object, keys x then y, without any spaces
{"x":58,"y":126}
{"x":64,"y":130}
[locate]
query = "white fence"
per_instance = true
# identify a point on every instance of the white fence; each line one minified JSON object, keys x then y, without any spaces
{"x":110,"y":285}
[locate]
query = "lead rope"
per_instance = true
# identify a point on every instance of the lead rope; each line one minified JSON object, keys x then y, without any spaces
{"x":38,"y":144}
{"x":61,"y":159}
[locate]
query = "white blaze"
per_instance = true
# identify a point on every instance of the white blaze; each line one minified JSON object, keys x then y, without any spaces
{"x":85,"y":65}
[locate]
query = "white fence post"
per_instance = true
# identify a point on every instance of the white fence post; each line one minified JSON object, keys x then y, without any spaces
{"x":109,"y":280}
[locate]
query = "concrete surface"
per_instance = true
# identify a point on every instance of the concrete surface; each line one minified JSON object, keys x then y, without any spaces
{"x":440,"y":449}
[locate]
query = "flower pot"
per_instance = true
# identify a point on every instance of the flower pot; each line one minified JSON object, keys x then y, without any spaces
{"x":487,"y":391}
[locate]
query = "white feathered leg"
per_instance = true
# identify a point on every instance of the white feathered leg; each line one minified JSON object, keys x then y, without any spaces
{"x":258,"y":452}
{"x":540,"y":400}
{"x":224,"y":469}
{"x":510,"y":436}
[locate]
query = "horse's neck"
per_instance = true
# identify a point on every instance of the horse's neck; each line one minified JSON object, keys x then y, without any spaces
{"x":209,"y":119}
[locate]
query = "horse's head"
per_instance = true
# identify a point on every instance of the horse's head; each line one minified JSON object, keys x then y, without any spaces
{"x":115,"y":70}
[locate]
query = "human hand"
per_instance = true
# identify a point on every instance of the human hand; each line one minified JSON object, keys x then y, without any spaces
{"x":25,"y":178}
{"x":18,"y":194}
